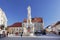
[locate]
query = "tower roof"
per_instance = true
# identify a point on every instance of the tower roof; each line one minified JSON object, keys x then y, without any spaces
{"x":17,"y":24}
{"x":37,"y":19}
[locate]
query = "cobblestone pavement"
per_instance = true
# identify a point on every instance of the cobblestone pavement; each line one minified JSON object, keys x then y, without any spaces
{"x":32,"y":38}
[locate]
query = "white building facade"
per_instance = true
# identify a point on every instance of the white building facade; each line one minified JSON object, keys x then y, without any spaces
{"x":3,"y":18}
{"x":55,"y":28}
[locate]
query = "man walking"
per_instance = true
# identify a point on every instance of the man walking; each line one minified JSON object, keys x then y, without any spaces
{"x":21,"y":34}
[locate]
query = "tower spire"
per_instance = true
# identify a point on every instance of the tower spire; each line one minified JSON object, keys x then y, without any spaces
{"x":29,"y":15}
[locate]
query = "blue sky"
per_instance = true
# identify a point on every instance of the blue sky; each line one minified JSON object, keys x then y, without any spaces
{"x":16,"y":10}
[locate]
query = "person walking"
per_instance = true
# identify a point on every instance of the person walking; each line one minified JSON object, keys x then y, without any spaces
{"x":21,"y":34}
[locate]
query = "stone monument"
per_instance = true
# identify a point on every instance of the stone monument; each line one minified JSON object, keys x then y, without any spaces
{"x":30,"y":28}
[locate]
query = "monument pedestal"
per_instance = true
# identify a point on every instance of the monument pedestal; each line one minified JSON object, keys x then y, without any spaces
{"x":29,"y":31}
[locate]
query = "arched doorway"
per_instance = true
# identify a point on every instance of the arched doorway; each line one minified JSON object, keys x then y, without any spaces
{"x":2,"y":27}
